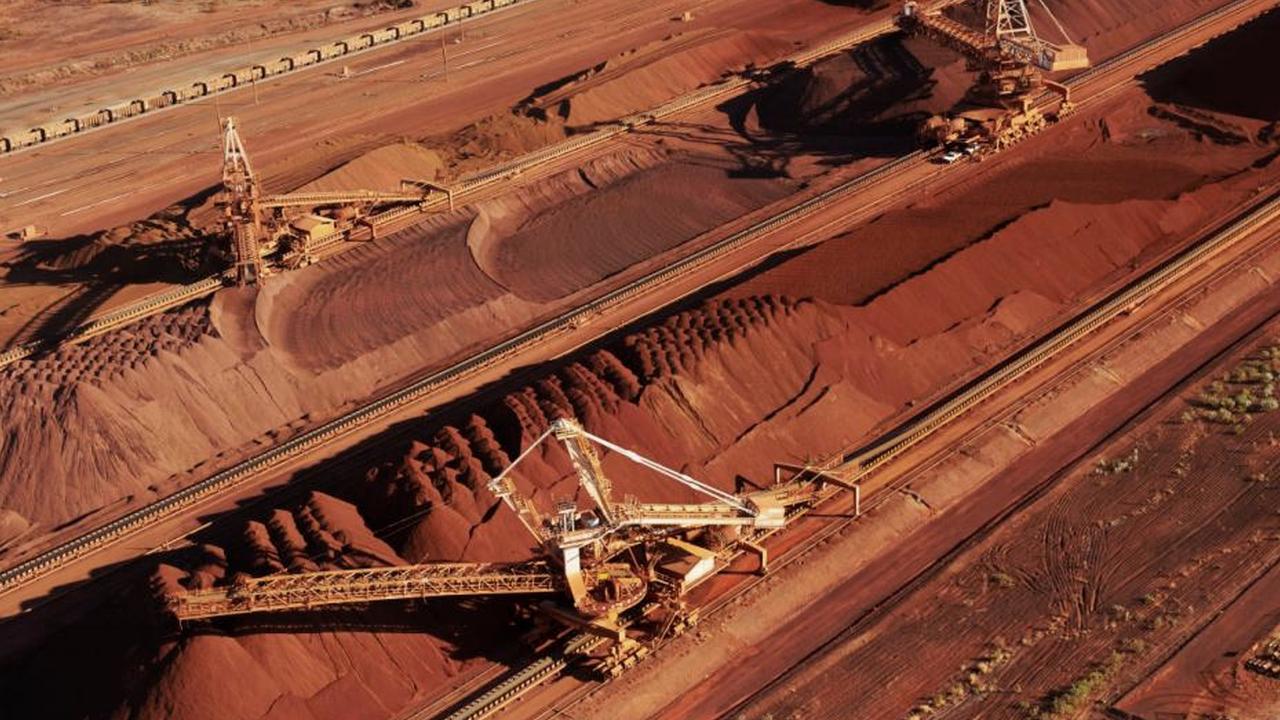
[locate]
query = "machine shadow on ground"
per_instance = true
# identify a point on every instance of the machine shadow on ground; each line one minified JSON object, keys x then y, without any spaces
{"x":1203,"y":80}
{"x":101,"y":264}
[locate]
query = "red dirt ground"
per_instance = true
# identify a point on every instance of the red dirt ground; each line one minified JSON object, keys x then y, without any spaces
{"x":311,"y":358}
{"x":891,"y":313}
{"x":1085,"y":591}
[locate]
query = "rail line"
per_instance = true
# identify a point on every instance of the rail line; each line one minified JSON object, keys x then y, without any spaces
{"x":882,"y":453}
{"x":872,"y":459}
{"x":1033,"y":493}
{"x":15,"y":141}
{"x":230,"y":478}
{"x":869,"y":461}
{"x":519,"y":681}
{"x":1148,"y":47}
{"x":464,"y":191}
{"x":560,"y":151}
{"x":866,"y":462}
{"x":344,"y":424}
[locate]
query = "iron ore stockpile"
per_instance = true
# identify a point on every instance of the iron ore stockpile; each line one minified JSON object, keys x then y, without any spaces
{"x":678,"y":359}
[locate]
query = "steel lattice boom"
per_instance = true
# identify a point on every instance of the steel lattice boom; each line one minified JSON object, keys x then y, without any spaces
{"x":239,"y":201}
{"x":343,"y":587}
{"x":590,"y":554}
{"x":1008,"y":35}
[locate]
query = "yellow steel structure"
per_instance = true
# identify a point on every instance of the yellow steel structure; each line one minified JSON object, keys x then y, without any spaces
{"x":584,"y":549}
{"x":340,"y":197}
{"x":302,"y":591}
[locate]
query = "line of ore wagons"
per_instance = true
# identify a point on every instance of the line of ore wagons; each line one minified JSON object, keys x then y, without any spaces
{"x":227,"y":81}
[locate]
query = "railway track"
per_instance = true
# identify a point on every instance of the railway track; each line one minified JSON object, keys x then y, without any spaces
{"x":517,"y":683}
{"x":523,"y":342}
{"x":205,"y":490}
{"x":15,"y":141}
{"x":874,"y":459}
{"x":476,"y":184}
{"x":866,"y":463}
{"x":237,"y":475}
{"x":469,"y":190}
{"x":1024,"y":501}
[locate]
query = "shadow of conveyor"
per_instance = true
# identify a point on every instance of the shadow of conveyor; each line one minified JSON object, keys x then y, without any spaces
{"x":101,"y":264}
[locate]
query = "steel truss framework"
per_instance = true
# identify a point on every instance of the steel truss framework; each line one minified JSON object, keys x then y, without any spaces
{"x":338,"y":198}
{"x":1008,"y":19}
{"x":344,"y":587}
{"x":579,"y":550}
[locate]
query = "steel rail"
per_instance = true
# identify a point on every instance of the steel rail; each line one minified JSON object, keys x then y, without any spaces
{"x":1149,"y":46}
{"x":898,"y":483}
{"x":521,"y":680}
{"x":1149,"y":285}
{"x":348,"y":422}
{"x":1259,"y":216}
{"x":561,"y":150}
{"x":182,"y":100}
{"x":131,"y":522}
{"x":201,"y":491}
{"x":868,"y":461}
{"x":470,"y":186}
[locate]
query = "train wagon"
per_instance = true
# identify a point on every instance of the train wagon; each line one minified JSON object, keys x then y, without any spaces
{"x":86,"y":121}
{"x":48,"y":131}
